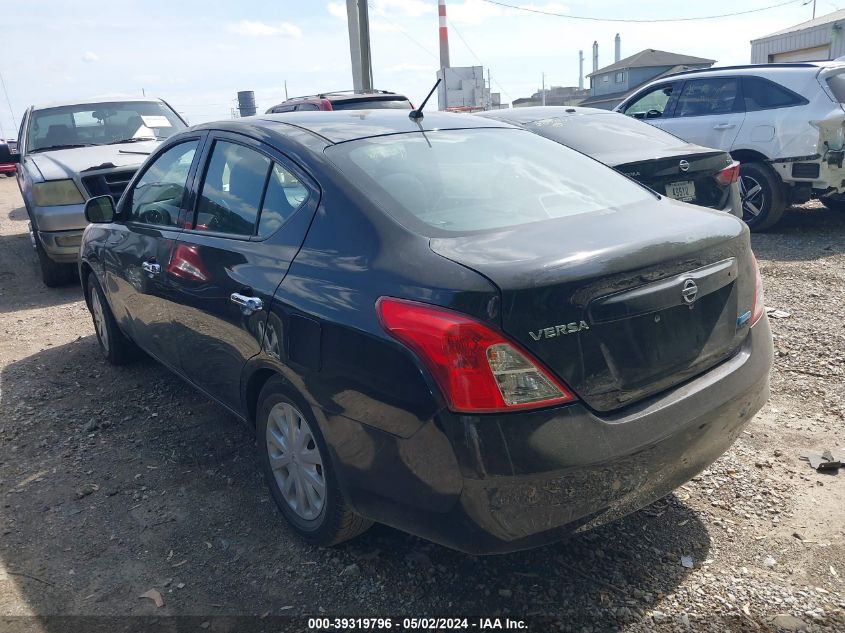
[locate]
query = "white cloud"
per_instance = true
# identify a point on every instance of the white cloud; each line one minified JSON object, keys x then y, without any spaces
{"x":262,"y":29}
{"x":337,"y":9}
{"x":410,"y":8}
{"x":377,"y":26}
{"x":90,"y":57}
{"x":549,"y":7}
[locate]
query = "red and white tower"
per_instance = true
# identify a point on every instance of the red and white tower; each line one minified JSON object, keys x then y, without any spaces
{"x":444,"y":35}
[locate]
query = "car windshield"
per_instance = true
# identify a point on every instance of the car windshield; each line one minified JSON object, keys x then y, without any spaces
{"x":100,"y":124}
{"x":458,"y":181}
{"x":596,"y":134}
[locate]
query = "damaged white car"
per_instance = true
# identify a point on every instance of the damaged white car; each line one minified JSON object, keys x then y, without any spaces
{"x":69,"y":152}
{"x":783,"y":122}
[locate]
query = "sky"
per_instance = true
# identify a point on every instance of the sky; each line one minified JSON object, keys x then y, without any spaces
{"x":197,"y":54}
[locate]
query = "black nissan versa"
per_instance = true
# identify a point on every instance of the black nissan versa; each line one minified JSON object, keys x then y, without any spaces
{"x":449,"y":325}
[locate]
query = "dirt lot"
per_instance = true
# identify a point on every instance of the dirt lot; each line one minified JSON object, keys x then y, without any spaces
{"x":118,"y":481}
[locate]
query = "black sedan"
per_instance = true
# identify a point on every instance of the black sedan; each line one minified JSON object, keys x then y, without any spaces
{"x":449,"y":325}
{"x":659,"y":160}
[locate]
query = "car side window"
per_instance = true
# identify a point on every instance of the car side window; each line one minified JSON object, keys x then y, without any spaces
{"x":717,"y":95}
{"x":307,"y":106}
{"x":285,"y":194}
{"x":652,"y":104}
{"x":231,"y":190}
{"x":158,"y":196}
{"x":762,"y":94}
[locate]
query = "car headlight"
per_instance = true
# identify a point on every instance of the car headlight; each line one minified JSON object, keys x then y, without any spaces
{"x":56,"y":192}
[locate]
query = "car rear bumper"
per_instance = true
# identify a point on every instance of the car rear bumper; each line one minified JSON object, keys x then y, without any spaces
{"x":499,"y":483}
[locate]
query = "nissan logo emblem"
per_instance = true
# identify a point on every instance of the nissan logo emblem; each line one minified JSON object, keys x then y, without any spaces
{"x":684,"y":165}
{"x":689,"y":291}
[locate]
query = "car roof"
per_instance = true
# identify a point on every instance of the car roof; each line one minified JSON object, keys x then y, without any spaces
{"x":757,"y":69}
{"x":345,"y":95}
{"x":339,"y":126}
{"x":530,"y":114}
{"x":76,"y":102}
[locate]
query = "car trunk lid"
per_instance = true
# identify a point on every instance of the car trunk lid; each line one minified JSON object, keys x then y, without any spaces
{"x":689,"y":177}
{"x":611,"y":314}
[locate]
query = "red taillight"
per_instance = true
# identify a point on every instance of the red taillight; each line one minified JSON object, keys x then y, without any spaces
{"x":728,"y":175}
{"x":186,"y":263}
{"x":476,"y":367}
{"x":759,"y":307}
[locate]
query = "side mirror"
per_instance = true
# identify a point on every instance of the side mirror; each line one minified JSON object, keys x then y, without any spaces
{"x":100,"y":209}
{"x":7,"y":156}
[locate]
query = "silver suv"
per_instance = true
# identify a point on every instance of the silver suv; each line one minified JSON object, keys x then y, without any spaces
{"x":72,"y":151}
{"x":783,"y":122}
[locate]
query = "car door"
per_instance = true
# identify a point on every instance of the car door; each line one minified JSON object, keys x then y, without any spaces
{"x":251,"y":214}
{"x":653,"y":105}
{"x":140,"y":246}
{"x":709,"y":112}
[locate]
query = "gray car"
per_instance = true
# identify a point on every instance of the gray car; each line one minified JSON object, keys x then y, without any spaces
{"x":72,"y":151}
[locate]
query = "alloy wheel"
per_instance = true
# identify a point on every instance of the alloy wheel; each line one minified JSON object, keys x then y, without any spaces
{"x":753,"y":197}
{"x":295,"y":461}
{"x":99,"y":319}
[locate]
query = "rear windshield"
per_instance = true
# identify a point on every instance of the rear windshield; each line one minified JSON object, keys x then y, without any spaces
{"x":598,"y":133}
{"x":372,"y":104}
{"x":458,"y":181}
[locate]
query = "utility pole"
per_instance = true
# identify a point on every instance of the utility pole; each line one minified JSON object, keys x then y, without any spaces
{"x":544,"y":89}
{"x":358,"y":22}
{"x":286,"y":89}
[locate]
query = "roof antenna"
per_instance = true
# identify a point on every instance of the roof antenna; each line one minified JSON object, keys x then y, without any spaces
{"x":416,"y":115}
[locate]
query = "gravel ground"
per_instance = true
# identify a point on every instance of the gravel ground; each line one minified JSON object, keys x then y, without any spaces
{"x":115,"y":481}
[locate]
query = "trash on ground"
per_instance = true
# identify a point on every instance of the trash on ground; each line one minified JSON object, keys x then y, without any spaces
{"x":826,"y":460}
{"x":686,"y":561}
{"x":776,"y":313}
{"x":155,"y":596}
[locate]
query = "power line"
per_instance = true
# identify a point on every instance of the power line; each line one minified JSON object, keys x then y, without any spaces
{"x":405,"y":33}
{"x":477,"y":58}
{"x":637,"y":20}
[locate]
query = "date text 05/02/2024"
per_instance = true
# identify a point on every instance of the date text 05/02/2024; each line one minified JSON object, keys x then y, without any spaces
{"x":417,"y":624}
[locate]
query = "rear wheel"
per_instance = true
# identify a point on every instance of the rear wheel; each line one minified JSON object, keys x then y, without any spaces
{"x":52,"y":274}
{"x":763,"y":200}
{"x":298,"y":471}
{"x":834,"y":203}
{"x":116,"y":347}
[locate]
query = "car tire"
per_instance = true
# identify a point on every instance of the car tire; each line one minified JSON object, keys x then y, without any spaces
{"x":762,"y":196}
{"x":114,"y":344}
{"x":834,"y":203}
{"x":297,"y":477}
{"x":53,"y":274}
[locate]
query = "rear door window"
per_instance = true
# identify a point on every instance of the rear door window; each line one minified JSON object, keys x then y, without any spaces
{"x":762,"y":94}
{"x":232,"y":189}
{"x":285,"y":194}
{"x":701,"y":97}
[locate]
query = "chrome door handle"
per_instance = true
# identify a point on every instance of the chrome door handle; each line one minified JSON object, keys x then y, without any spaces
{"x":723,"y":126}
{"x":248,"y":304}
{"x":151,"y":267}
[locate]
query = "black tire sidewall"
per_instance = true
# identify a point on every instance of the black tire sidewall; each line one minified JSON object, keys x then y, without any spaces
{"x":323,"y":528}
{"x":53,"y":274}
{"x":94,"y":288}
{"x":773,"y":195}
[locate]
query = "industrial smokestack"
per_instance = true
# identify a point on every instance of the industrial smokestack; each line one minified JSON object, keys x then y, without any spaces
{"x":580,"y":70}
{"x":595,"y":56}
{"x":444,"y":35}
{"x":246,"y":103}
{"x":617,"y":55}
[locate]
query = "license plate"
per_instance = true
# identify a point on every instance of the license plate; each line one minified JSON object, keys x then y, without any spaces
{"x":683,"y":190}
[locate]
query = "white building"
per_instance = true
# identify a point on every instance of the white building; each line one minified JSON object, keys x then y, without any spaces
{"x":463,"y":88}
{"x":819,"y":39}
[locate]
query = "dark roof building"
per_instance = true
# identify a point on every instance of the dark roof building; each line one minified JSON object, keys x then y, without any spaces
{"x":611,"y":84}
